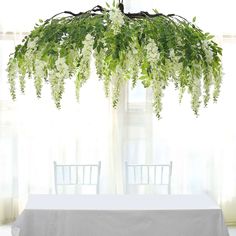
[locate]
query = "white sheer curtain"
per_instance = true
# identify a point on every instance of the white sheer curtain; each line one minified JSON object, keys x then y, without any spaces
{"x":33,"y":133}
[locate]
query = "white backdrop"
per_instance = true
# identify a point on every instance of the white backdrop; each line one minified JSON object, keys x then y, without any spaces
{"x":33,"y":133}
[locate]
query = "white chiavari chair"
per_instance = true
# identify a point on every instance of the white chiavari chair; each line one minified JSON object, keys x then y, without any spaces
{"x":143,"y":175}
{"x":77,"y":175}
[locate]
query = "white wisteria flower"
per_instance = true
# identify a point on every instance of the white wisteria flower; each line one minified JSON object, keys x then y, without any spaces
{"x":117,"y":80}
{"x":196,"y":94}
{"x":117,"y":19}
{"x":208,"y":51}
{"x":175,"y":65}
{"x":153,"y":54}
{"x":39,"y":66}
{"x":100,"y":58}
{"x":158,"y":94}
{"x":75,"y":55}
{"x":62,"y":68}
{"x":57,"y":87}
{"x":88,"y":45}
{"x":57,"y":79}
{"x":12,"y":70}
{"x":29,"y":55}
{"x":31,"y":44}
{"x":83,"y":70}
{"x":132,"y":64}
{"x":39,"y":75}
{"x":102,"y":67}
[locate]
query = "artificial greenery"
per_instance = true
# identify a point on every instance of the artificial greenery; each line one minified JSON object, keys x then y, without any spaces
{"x":156,"y":49}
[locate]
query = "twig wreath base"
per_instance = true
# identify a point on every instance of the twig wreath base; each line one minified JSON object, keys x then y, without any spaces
{"x":155,"y":48}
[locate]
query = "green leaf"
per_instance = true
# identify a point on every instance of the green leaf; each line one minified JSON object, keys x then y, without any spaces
{"x":155,"y":10}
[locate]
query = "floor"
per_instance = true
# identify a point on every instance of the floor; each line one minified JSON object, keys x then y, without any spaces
{"x":6,"y":231}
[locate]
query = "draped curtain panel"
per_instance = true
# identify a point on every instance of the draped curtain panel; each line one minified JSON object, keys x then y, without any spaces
{"x":33,"y":133}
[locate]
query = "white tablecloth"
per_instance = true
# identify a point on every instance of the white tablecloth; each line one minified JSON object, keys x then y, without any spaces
{"x":117,"y":215}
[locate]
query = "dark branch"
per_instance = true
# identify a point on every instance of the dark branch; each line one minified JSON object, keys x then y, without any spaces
{"x":142,"y":14}
{"x":93,"y":12}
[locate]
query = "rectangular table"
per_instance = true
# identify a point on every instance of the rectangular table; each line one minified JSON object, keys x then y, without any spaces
{"x":120,"y":215}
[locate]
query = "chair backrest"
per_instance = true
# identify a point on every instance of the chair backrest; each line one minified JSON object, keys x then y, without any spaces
{"x":143,"y":175}
{"x":77,"y":175}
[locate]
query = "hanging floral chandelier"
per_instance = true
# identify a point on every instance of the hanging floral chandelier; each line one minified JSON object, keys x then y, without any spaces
{"x":156,"y":49}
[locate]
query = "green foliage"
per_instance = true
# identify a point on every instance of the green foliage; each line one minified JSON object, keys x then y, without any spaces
{"x":157,"y":51}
